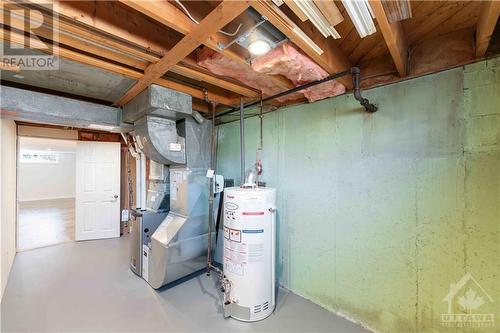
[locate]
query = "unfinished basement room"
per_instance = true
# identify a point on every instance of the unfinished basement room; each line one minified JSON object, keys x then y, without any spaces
{"x":250,"y":166}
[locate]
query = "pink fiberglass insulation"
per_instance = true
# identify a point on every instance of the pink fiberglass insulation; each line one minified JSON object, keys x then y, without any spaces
{"x":219,"y":64}
{"x":288,"y":61}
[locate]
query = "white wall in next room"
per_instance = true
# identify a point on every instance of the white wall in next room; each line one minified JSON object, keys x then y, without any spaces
{"x":43,"y":181}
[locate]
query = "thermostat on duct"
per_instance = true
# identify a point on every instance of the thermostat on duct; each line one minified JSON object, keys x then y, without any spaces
{"x":175,"y":147}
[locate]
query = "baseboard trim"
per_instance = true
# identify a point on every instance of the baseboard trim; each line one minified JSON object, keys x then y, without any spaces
{"x":46,"y":199}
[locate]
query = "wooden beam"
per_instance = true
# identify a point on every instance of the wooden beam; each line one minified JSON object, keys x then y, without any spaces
{"x":68,"y":10}
{"x":397,"y":10}
{"x":201,"y":107}
{"x":18,"y":22}
{"x":115,"y":20}
{"x":330,"y":10}
{"x":331,"y":58}
{"x":163,"y":12}
{"x":486,"y":22}
{"x":78,"y":23}
{"x":197,"y":92}
{"x":84,"y":33}
{"x":296,"y":10}
{"x":19,"y":39}
{"x":393,"y":36}
{"x":108,"y":53}
{"x":217,"y":19}
{"x":171,"y":16}
{"x":212,"y":79}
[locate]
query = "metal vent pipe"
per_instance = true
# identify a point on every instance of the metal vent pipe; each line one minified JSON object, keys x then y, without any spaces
{"x":356,"y":77}
{"x":242,"y":141}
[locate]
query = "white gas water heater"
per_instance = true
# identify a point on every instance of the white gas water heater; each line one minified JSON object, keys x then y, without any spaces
{"x":249,"y":252}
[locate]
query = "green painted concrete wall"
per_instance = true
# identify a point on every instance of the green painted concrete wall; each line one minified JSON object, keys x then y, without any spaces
{"x":380,"y":213}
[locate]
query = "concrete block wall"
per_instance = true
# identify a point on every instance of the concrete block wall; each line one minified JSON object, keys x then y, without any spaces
{"x":380,"y":213}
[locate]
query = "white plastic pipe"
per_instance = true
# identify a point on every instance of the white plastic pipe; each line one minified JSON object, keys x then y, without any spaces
{"x":273,"y":253}
{"x":143,"y":181}
{"x":138,"y":175}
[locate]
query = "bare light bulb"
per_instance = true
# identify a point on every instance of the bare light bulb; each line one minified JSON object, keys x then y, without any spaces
{"x":259,"y":47}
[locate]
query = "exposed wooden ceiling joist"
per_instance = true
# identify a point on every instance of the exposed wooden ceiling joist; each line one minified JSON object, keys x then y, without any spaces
{"x":397,"y":10}
{"x":217,"y":19}
{"x":76,"y":29}
{"x":201,"y":107}
{"x":19,"y":39}
{"x":107,"y":53}
{"x":428,"y":17}
{"x":296,"y":10}
{"x":330,"y":10}
{"x":393,"y":36}
{"x":114,"y":37}
{"x":169,"y":15}
{"x":331,"y":60}
{"x":71,"y":10}
{"x":19,"y":22}
{"x":486,"y":22}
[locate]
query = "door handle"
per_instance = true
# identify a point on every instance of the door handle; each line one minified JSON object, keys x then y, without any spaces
{"x":115,"y":196}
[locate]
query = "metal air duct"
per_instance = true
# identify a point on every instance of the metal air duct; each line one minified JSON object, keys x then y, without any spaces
{"x":167,"y":132}
{"x":154,"y":113}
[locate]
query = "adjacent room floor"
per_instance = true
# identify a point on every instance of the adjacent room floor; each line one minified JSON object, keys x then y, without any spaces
{"x":46,"y":222}
{"x":87,"y":286}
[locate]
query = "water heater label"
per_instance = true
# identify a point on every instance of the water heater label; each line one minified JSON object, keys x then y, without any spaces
{"x":259,"y":231}
{"x":233,"y":268}
{"x":256,"y":253}
{"x":236,"y":254}
{"x":253,"y":213}
{"x":230,"y":215}
{"x":231,"y":206}
{"x":235,"y":235}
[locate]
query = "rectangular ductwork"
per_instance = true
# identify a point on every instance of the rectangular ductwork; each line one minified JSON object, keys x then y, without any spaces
{"x":158,"y":101}
{"x":156,"y":115}
{"x":158,"y":139}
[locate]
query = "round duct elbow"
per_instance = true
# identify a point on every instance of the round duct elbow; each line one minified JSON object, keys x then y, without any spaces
{"x":160,"y":140}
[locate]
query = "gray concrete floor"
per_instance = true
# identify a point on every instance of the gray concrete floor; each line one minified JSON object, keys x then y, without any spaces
{"x":87,"y":286}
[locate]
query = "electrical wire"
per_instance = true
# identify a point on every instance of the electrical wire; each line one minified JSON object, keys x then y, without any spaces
{"x":231,"y":34}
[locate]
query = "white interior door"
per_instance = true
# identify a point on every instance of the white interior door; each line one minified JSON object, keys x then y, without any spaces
{"x":97,"y":190}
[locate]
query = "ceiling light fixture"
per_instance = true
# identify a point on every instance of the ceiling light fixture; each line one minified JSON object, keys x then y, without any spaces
{"x":361,"y":15}
{"x":259,"y":47}
{"x":260,"y":38}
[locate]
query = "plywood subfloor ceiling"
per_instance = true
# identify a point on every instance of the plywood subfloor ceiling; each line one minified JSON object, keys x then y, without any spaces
{"x":155,"y":42}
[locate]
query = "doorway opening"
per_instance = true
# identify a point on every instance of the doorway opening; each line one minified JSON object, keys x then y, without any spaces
{"x":46,"y":192}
